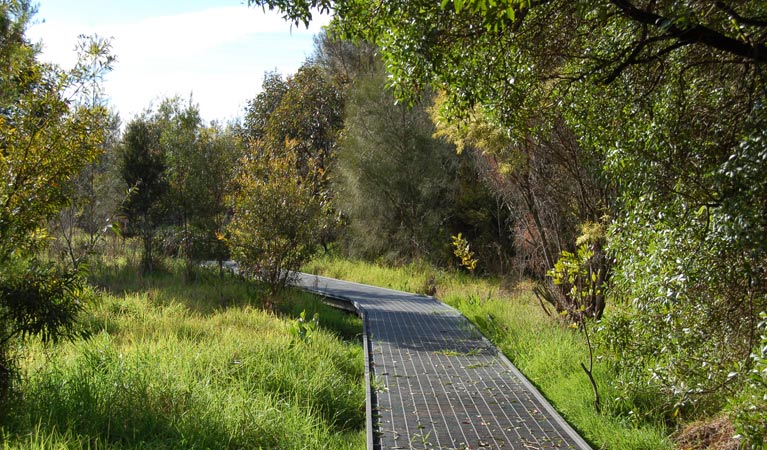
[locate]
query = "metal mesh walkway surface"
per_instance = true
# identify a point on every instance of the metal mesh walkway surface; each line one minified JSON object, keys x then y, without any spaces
{"x":437,"y":383}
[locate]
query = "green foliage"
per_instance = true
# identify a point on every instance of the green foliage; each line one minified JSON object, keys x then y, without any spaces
{"x":462,"y":251}
{"x":180,"y":170}
{"x":579,"y":279}
{"x":691,"y":294}
{"x":36,"y":299}
{"x":751,"y":414}
{"x":277,"y":215}
{"x":310,"y":115}
{"x":179,"y":127}
{"x":46,"y":138}
{"x":303,"y":329}
{"x":142,"y":167}
{"x":344,"y":61}
{"x":548,"y":183}
{"x":395,"y":182}
{"x":48,"y":133}
{"x":259,"y":109}
{"x":572,"y":270}
{"x":219,"y":149}
{"x":303,"y":116}
{"x":200,"y":162}
{"x":95,"y":197}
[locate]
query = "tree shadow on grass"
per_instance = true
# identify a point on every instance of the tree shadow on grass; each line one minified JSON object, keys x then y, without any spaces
{"x":104,"y":411}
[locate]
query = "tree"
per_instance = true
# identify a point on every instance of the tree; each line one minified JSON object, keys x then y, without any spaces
{"x":142,"y":166}
{"x":342,"y":60}
{"x":179,"y":128}
{"x":180,"y":169}
{"x":310,"y":113}
{"x":666,"y":98}
{"x":395,"y":183}
{"x":95,"y":198}
{"x":277,"y":215}
{"x":47,"y":135}
{"x":308,"y":116}
{"x":281,"y":199}
{"x":259,"y":109}
{"x":220,"y":150}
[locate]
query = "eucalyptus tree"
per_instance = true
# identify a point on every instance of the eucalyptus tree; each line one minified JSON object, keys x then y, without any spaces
{"x":302,"y":115}
{"x":259,"y":109}
{"x":310,"y":113}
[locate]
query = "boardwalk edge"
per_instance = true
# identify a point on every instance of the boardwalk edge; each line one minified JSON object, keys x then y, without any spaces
{"x":366,"y":345}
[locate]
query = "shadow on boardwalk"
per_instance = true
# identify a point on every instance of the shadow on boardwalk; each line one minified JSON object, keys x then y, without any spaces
{"x":438,"y":383}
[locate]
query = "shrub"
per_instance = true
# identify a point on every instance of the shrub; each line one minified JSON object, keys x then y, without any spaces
{"x":277,"y":219}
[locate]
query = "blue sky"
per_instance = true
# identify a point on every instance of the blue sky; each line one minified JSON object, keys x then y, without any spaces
{"x":216,"y":50}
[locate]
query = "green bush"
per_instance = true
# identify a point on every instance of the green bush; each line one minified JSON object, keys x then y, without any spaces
{"x":751,"y":414}
{"x":278,"y":215}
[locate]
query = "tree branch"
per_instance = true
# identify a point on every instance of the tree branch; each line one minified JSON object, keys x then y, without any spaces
{"x":740,"y":19}
{"x":695,"y":34}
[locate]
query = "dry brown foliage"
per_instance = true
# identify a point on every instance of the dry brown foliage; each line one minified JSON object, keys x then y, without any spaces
{"x":712,"y":434}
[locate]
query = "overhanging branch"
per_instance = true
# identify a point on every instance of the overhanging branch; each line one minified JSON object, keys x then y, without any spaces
{"x":694,"y":34}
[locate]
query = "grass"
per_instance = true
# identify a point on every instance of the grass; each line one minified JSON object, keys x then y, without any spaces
{"x":176,"y":365}
{"x":548,"y":353}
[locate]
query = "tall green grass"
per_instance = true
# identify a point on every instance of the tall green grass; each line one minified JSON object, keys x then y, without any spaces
{"x":178,"y":365}
{"x":548,"y":353}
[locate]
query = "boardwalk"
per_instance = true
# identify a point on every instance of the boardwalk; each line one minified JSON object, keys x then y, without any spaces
{"x":438,"y":383}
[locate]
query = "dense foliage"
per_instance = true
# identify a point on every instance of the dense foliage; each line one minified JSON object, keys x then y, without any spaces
{"x":395,"y":182}
{"x":142,"y":167}
{"x":178,"y":170}
{"x":282,"y":199}
{"x":614,"y":151}
{"x":277,"y":216}
{"x":663,"y":103}
{"x":48,"y":133}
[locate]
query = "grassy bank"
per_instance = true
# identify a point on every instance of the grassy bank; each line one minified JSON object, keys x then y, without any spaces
{"x":177,"y":365}
{"x":510,"y":316}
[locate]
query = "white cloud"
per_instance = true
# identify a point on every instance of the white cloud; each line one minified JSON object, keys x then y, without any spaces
{"x":189,"y":34}
{"x":220,"y":54}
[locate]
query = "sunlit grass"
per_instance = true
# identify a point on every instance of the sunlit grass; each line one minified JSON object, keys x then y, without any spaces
{"x":548,"y":353}
{"x":177,"y":365}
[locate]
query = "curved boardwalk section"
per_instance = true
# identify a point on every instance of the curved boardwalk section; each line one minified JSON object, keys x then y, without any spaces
{"x":438,"y":383}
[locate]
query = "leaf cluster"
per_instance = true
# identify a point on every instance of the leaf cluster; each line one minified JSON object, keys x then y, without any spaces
{"x":49,"y":132}
{"x":462,"y":251}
